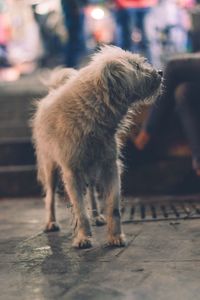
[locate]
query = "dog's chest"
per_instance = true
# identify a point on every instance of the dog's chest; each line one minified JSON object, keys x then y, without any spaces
{"x":98,"y":150}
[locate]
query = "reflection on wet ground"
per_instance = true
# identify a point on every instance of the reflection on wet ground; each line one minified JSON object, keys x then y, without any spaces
{"x":161,"y":259}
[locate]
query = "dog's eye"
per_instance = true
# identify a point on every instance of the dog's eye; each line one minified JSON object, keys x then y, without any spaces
{"x":137,"y":67}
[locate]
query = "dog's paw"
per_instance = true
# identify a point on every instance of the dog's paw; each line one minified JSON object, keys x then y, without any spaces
{"x":83,"y":242}
{"x":51,"y":227}
{"x":117,"y":240}
{"x":100,"y":220}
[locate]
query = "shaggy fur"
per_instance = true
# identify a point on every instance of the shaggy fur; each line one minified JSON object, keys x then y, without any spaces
{"x":75,"y":128}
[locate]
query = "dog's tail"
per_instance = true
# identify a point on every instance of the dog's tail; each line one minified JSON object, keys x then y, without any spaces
{"x":58,"y":77}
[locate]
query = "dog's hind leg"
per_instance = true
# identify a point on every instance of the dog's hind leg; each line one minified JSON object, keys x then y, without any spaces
{"x":111,"y":182}
{"x":94,"y":195}
{"x":76,"y":189}
{"x":49,"y":182}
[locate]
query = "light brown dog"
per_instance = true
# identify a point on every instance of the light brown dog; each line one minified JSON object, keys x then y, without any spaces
{"x":75,"y":129}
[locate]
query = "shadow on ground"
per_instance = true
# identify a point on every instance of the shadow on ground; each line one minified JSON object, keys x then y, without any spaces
{"x":161,"y":260}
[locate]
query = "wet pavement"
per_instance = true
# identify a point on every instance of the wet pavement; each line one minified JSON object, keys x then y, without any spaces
{"x":161,"y":260}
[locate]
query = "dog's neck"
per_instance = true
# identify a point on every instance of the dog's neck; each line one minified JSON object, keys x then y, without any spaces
{"x":115,"y":113}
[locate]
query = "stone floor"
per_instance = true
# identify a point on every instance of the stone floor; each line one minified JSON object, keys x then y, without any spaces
{"x":161,"y":260}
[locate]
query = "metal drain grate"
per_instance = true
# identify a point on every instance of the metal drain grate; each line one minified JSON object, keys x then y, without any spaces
{"x":159,"y":209}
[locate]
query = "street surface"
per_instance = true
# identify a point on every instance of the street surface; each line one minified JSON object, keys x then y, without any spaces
{"x":160,"y":262}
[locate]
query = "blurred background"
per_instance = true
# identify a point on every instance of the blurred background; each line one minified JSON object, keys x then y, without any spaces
{"x":37,"y":34}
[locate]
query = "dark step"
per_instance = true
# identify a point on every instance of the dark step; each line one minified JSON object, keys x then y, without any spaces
{"x":16,"y":101}
{"x":16,"y":151}
{"x":162,"y":177}
{"x":19,"y":181}
{"x":156,"y":179}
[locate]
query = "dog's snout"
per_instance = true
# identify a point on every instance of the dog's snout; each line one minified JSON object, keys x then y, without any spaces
{"x":160,"y":72}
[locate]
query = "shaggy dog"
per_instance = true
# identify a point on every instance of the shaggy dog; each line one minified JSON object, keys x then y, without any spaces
{"x":75,"y":129}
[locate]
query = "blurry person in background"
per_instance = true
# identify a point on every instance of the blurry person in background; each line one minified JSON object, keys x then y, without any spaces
{"x":195,"y":32}
{"x":22,"y":39}
{"x":168,"y":26}
{"x":181,"y":91}
{"x":7,"y":71}
{"x":48,"y":15}
{"x":73,"y":11}
{"x":130,"y":16}
{"x":5,"y":35}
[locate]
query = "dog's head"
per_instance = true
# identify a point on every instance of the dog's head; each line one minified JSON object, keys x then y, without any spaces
{"x":126,"y":75}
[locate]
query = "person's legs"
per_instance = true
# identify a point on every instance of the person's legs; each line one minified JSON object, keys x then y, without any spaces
{"x":188,"y":106}
{"x":178,"y":70}
{"x":140,"y":23}
{"x":76,"y":43}
{"x":74,"y":22}
{"x":124,"y":22}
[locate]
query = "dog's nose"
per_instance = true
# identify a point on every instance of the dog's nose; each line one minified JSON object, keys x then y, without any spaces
{"x":160,"y":72}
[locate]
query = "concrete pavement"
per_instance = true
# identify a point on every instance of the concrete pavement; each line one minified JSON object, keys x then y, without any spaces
{"x":160,"y":262}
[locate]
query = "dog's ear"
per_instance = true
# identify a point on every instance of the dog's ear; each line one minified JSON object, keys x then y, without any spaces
{"x":116,"y":71}
{"x":115,"y":77}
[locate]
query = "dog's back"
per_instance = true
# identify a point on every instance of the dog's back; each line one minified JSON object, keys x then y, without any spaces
{"x":58,"y":77}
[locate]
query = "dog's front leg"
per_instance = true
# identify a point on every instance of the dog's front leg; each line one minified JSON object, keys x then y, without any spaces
{"x":115,"y":233}
{"x":75,"y":187}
